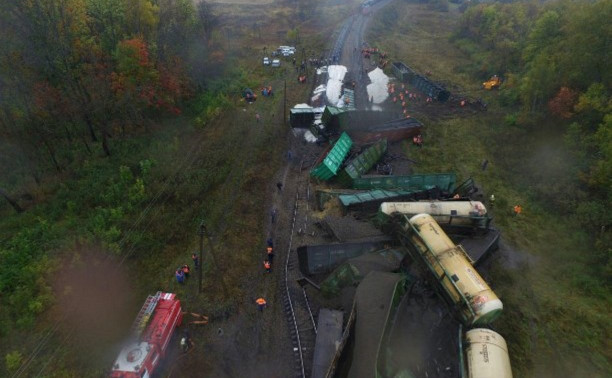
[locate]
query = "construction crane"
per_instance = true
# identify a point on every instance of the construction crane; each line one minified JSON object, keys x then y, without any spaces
{"x":150,"y":335}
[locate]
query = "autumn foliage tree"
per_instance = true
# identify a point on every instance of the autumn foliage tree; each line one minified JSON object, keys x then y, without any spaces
{"x":138,"y":84}
{"x":562,"y":105}
{"x":76,"y":73}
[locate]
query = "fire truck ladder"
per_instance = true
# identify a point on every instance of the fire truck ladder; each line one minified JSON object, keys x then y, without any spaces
{"x":145,"y":314}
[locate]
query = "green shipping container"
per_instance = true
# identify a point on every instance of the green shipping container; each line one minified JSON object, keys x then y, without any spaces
{"x":371,"y":196}
{"x":330,"y":116}
{"x":445,"y":181}
{"x":362,"y":163}
{"x":330,"y":165}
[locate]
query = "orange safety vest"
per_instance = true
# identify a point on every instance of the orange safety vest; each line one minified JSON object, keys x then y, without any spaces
{"x":518,"y":209}
{"x":261,"y":301}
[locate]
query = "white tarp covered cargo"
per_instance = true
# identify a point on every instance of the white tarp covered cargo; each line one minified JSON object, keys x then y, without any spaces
{"x":336,"y":74}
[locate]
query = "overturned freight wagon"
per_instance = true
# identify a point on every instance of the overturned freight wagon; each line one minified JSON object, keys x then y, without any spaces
{"x":329,"y":162}
{"x":456,"y":213}
{"x":430,"y":88}
{"x":351,"y":272}
{"x":331,"y":117}
{"x":444,"y":181}
{"x":301,"y":117}
{"x":368,"y":126}
{"x":370,"y":200}
{"x":484,"y":353}
{"x":323,"y":258}
{"x":347,"y":118}
{"x":329,"y":337}
{"x":394,"y":130}
{"x":363,"y":163}
{"x":451,"y":271}
{"x":376,"y":302}
{"x":466,"y":222}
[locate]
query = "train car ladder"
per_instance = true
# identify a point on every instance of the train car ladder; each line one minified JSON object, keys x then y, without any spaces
{"x":145,"y":314}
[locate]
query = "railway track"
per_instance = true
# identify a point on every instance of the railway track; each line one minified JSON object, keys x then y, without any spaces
{"x":297,"y":306}
{"x":300,"y":313}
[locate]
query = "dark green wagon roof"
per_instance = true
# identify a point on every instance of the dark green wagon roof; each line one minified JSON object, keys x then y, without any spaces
{"x":372,"y":195}
{"x":330,"y":165}
{"x":364,"y":162}
{"x":444,"y":181}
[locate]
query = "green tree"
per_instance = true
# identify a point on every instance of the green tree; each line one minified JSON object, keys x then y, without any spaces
{"x":13,"y":360}
{"x":107,"y":19}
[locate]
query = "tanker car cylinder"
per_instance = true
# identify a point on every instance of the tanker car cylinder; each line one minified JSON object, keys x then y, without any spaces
{"x":485,"y":354}
{"x":459,"y":282}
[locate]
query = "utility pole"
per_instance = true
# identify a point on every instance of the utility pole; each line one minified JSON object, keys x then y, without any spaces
{"x":285,"y":105}
{"x":201,"y":268}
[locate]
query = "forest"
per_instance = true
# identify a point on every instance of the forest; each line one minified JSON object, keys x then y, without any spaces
{"x":83,"y":83}
{"x":553,"y":58}
{"x":99,"y":100}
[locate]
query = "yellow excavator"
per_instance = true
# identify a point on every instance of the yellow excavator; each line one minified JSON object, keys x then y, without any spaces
{"x":493,"y":83}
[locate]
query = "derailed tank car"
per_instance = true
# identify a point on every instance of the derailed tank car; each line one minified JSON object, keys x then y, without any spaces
{"x":485,"y":355}
{"x":458,"y":282}
{"x":459,"y":213}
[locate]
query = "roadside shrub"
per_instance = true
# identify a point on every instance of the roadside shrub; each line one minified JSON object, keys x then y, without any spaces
{"x":13,"y":361}
{"x":511,"y":119}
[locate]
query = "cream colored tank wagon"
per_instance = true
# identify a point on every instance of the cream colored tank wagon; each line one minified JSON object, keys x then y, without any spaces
{"x":457,"y":213}
{"x":459,"y":282}
{"x":485,"y":355}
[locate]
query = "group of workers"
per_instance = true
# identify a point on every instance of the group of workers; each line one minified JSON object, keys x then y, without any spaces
{"x":404,"y":96}
{"x":267,"y":91}
{"x":516,"y":209}
{"x":261,"y":302}
{"x":269,"y":256}
{"x":182,"y":273}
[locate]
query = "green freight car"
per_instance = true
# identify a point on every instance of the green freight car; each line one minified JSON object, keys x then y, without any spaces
{"x":301,"y":117}
{"x":328,"y":165}
{"x":371,"y":200}
{"x":363,"y":163}
{"x":444,"y":181}
{"x":430,"y":88}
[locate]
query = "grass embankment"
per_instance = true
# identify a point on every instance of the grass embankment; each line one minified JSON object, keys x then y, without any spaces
{"x":556,"y":319}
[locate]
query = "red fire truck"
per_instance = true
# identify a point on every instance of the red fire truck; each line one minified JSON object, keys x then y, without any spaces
{"x":151,"y":333}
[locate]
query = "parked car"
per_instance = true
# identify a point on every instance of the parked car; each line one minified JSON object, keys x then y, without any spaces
{"x":286,"y":50}
{"x":266,"y":61}
{"x":276,"y":63}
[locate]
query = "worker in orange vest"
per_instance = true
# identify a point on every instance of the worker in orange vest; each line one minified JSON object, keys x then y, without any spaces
{"x":517,"y":210}
{"x":268,"y":266}
{"x":270,"y":254}
{"x":261,"y":303}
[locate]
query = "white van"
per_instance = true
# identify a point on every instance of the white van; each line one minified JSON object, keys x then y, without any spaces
{"x":266,"y":61}
{"x":276,"y":63}
{"x":286,"y":50}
